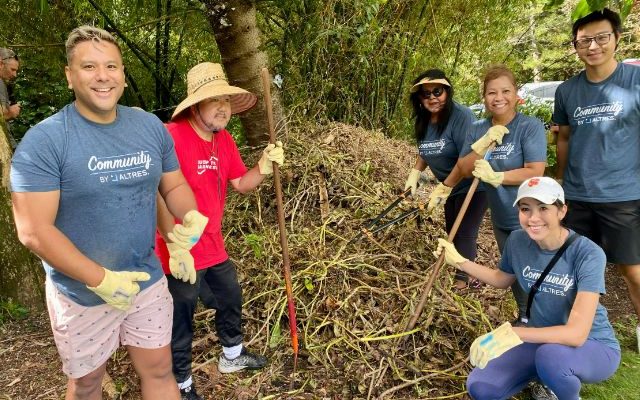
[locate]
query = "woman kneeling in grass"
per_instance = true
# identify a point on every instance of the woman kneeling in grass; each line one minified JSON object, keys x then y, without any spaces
{"x":568,"y":338}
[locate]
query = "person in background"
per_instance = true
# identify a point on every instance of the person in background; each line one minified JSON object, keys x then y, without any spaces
{"x":568,"y":339}
{"x":520,"y":153}
{"x":84,"y":184}
{"x":210,"y":161}
{"x":598,"y":145}
{"x":9,"y":67}
{"x":441,"y":127}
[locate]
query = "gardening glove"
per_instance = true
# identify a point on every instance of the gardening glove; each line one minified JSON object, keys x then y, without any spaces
{"x":485,"y":173}
{"x":493,"y":344}
{"x":187,"y":234}
{"x":494,"y":134}
{"x":451,"y":255}
{"x":412,"y":181}
{"x":119,"y":288}
{"x":181,"y":263}
{"x":272,"y":153}
{"x":438,"y":196}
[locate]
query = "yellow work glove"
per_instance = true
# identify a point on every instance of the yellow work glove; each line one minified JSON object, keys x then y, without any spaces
{"x":494,"y":134}
{"x":493,"y":344}
{"x":451,"y":255}
{"x":483,"y":171}
{"x":187,"y":234}
{"x":119,"y":289}
{"x":412,"y":181}
{"x":438,"y":196}
{"x":181,"y":263}
{"x":272,"y":153}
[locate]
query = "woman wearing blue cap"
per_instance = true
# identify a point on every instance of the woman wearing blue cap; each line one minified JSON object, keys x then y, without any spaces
{"x":568,"y":339}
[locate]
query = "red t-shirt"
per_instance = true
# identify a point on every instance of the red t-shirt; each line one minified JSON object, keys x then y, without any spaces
{"x":208,"y":167}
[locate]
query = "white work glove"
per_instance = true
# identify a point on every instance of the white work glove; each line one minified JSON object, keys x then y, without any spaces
{"x":451,"y":255}
{"x":412,"y":181}
{"x":119,"y":288}
{"x":272,"y":153}
{"x":493,"y":134}
{"x":438,"y":196}
{"x":492,"y":345}
{"x":181,"y":263}
{"x":483,"y":171}
{"x":187,"y":234}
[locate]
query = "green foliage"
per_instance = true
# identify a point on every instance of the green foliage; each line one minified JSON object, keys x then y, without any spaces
{"x":256,"y":242}
{"x":543,"y":112}
{"x":10,"y":310}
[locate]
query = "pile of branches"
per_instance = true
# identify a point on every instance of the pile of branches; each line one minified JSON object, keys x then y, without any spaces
{"x":353,"y":300}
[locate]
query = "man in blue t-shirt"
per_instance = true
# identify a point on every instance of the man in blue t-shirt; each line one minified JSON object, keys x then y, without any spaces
{"x":84,"y":185}
{"x":598,"y":112}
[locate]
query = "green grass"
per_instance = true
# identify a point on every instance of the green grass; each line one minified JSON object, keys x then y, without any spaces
{"x":624,"y":384}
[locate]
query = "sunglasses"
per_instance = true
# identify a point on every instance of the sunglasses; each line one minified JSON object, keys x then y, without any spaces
{"x":426,"y":93}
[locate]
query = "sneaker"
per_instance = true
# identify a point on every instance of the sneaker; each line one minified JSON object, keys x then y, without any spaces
{"x":541,"y":392}
{"x":190,"y":394}
{"x":246,"y":359}
{"x":638,"y":336}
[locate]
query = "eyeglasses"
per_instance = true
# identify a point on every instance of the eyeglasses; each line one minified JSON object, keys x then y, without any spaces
{"x":426,"y":94}
{"x":585,"y":43}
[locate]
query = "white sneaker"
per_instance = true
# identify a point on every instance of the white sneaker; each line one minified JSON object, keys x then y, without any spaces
{"x":638,"y":336}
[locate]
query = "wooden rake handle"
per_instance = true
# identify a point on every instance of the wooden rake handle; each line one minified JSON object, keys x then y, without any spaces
{"x":426,"y":289}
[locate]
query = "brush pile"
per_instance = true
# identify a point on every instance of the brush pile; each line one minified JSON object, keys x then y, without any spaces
{"x":352,"y":300}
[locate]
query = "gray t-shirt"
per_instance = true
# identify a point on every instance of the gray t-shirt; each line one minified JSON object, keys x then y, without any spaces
{"x":579,"y":269}
{"x":108,"y":176}
{"x":603,"y":164}
{"x":441,"y":150}
{"x":526,"y":142}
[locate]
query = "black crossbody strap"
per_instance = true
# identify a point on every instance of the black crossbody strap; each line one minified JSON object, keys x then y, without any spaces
{"x":556,"y":257}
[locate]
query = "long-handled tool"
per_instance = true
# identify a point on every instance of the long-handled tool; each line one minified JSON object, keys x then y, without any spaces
{"x":266,"y":84}
{"x":367,"y":230}
{"x":435,"y":270}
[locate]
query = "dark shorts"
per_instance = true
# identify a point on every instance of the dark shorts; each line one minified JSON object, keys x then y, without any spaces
{"x":613,"y":226}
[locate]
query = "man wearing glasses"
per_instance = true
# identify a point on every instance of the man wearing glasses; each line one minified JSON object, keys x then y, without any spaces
{"x":9,"y":65}
{"x":598,"y":112}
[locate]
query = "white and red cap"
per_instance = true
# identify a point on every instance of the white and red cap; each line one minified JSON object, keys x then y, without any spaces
{"x":541,"y":188}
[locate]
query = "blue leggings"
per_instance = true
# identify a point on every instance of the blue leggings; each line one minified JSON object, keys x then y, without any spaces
{"x":562,"y":368}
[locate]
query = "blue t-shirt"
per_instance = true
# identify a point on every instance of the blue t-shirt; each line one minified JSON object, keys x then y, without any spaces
{"x":108,"y":176}
{"x":579,"y":269}
{"x":603,"y":164}
{"x":526,"y":142}
{"x":441,"y":150}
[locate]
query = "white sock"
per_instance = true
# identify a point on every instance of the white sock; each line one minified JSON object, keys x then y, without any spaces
{"x":232,"y":352}
{"x":638,"y":336}
{"x":186,"y":384}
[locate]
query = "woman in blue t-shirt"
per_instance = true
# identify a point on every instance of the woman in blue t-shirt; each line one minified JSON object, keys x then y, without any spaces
{"x":518,"y":155}
{"x":568,"y":339}
{"x":441,"y":127}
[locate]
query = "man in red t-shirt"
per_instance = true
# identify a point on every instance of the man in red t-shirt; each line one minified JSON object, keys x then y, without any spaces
{"x":209,"y":160}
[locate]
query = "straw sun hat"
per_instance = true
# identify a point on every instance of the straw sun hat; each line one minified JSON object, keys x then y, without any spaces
{"x":207,"y":80}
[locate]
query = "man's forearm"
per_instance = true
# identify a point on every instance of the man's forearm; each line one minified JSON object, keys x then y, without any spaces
{"x":249,"y":181}
{"x":180,"y":200}
{"x":54,"y":247}
{"x":562,"y":150}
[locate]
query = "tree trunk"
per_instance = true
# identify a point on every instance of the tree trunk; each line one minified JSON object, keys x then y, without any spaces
{"x":22,"y":274}
{"x":238,"y":40}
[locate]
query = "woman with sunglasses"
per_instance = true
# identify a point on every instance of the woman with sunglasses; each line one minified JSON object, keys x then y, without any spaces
{"x":520,"y":154}
{"x":569,"y":339}
{"x":440,"y":128}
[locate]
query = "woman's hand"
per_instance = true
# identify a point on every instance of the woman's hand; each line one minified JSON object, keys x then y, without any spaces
{"x":485,"y":173}
{"x":451,"y":255}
